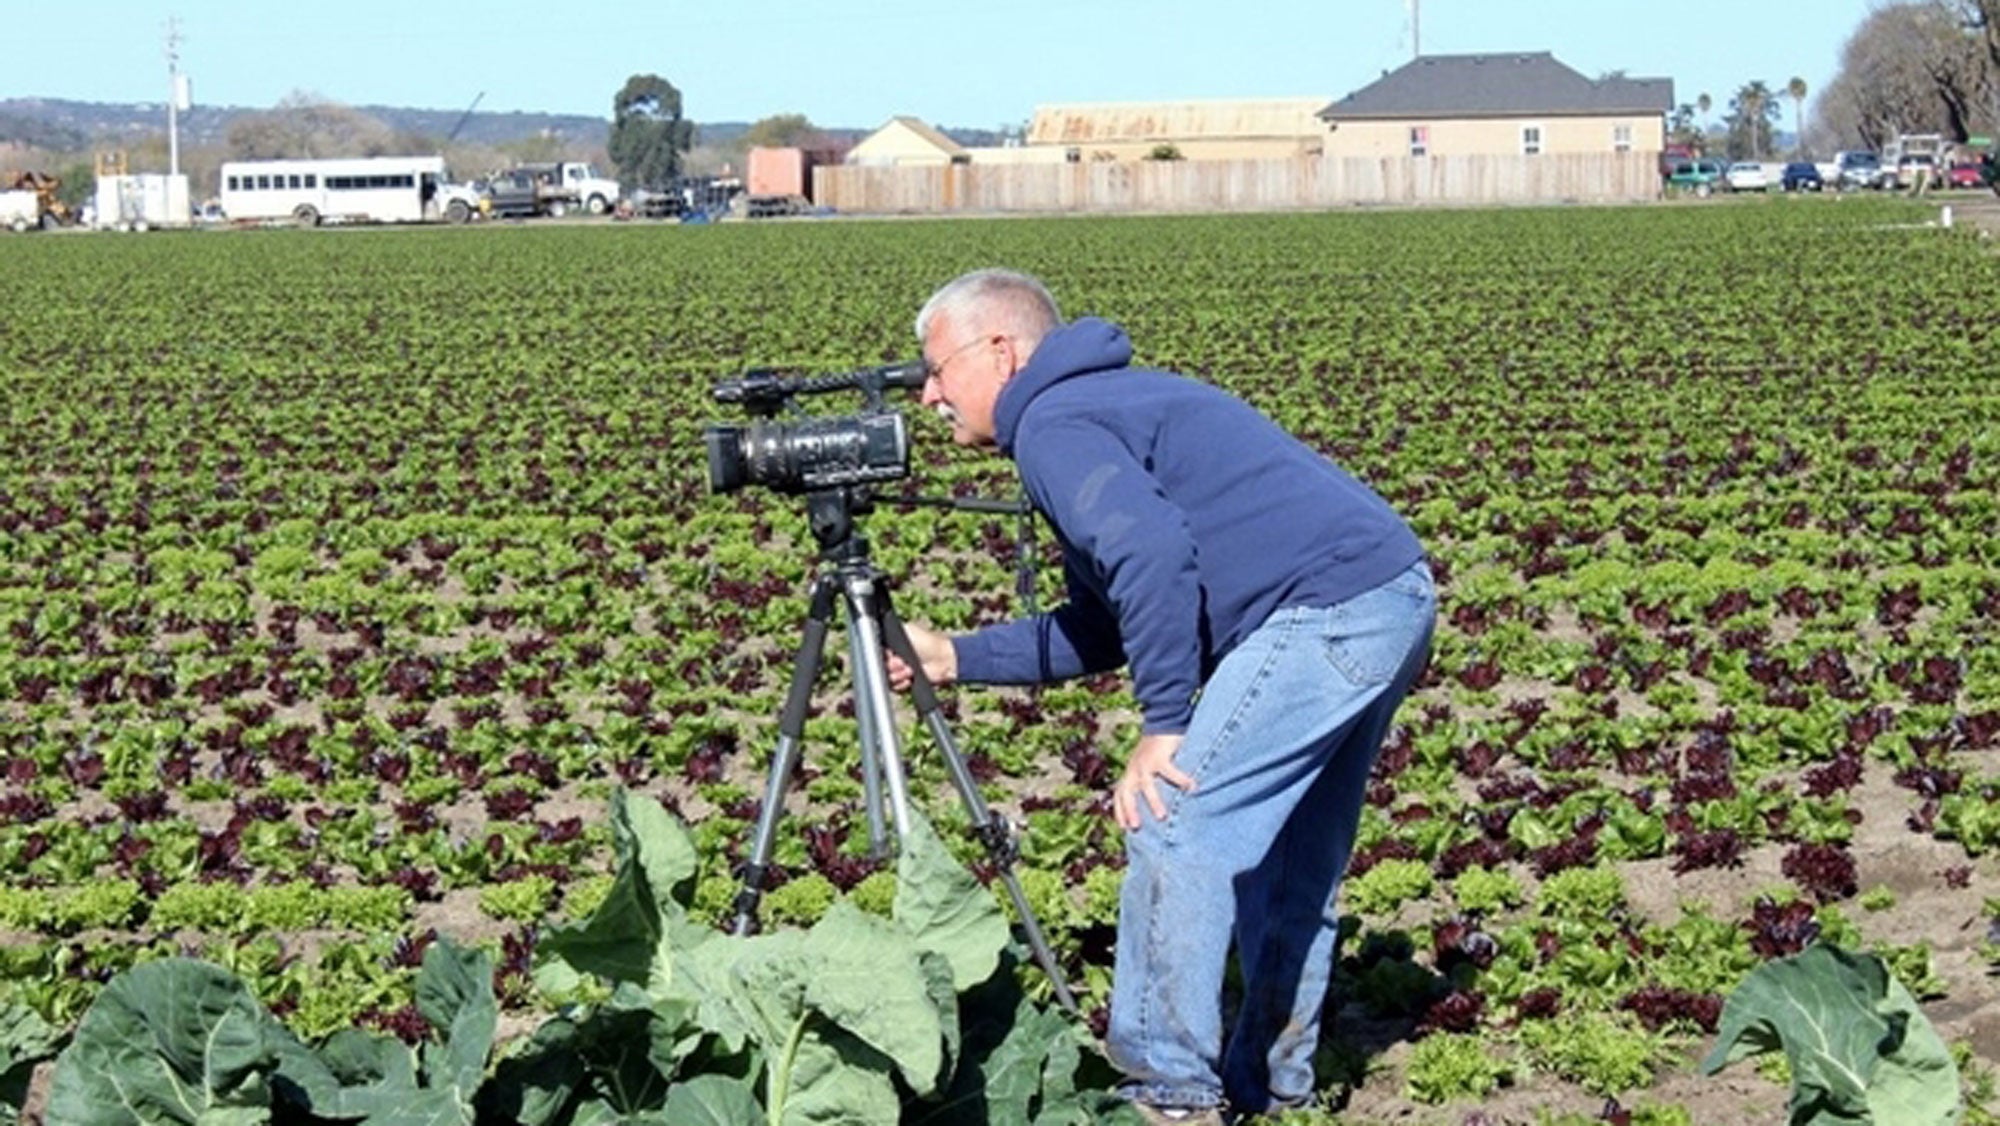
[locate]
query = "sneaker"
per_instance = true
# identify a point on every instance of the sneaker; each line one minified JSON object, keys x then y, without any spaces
{"x":1178,"y":1115}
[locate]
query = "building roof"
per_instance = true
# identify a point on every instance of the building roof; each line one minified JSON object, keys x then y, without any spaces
{"x":929,"y":133}
{"x":1503,"y":85}
{"x":1085,"y":123}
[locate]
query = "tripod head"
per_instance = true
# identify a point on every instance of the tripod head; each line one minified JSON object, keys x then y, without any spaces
{"x":831,"y":514}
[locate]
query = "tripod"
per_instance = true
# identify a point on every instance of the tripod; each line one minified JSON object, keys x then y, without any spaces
{"x":851,"y":578}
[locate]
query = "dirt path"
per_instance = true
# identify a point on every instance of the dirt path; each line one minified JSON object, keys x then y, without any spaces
{"x":1981,"y":210}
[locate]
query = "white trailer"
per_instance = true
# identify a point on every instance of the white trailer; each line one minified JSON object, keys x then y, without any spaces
{"x":20,"y":210}
{"x":142,"y":201}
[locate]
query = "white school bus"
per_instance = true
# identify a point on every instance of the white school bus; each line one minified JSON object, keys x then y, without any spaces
{"x":375,"y":189}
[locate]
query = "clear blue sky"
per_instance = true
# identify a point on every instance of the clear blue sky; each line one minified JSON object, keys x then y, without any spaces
{"x":855,"y":64}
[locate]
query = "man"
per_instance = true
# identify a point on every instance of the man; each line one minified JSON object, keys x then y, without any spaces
{"x":1273,"y":611}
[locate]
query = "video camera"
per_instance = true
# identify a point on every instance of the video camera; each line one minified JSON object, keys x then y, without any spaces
{"x":815,"y":453}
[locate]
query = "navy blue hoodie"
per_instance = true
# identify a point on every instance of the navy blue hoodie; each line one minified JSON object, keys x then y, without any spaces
{"x":1185,"y":516}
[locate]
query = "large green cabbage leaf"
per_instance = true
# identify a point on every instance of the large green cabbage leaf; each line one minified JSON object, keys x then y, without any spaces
{"x":1859,"y":1048}
{"x":170,"y":1041}
{"x":634,"y":933}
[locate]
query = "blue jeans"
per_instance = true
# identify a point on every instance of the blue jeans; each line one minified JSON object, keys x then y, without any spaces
{"x":1280,"y":748}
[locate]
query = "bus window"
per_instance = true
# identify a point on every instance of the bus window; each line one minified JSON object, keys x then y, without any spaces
{"x":310,"y":178}
{"x":264,"y":183}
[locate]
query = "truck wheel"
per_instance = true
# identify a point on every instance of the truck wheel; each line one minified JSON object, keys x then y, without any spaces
{"x":18,"y":225}
{"x":1701,"y":190}
{"x":458,"y":211}
{"x":596,"y":205}
{"x":141,"y":226}
{"x":558,"y":208}
{"x":306,"y":216}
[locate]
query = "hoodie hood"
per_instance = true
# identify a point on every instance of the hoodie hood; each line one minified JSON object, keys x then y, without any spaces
{"x":1080,"y":347}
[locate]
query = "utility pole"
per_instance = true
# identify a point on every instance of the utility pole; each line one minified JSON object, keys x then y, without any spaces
{"x":1416,"y":31}
{"x":177,"y":95}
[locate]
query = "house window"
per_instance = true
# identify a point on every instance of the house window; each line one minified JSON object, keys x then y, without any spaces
{"x":1420,"y":140}
{"x":1621,"y":138}
{"x":1531,"y":140}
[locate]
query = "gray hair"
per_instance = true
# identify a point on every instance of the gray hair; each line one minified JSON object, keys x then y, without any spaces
{"x":995,"y":300}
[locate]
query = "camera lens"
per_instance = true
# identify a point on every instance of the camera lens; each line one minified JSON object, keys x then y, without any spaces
{"x":820,"y":453}
{"x":727,"y":469}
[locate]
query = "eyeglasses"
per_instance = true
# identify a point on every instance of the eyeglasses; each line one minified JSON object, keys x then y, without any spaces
{"x":934,"y":369}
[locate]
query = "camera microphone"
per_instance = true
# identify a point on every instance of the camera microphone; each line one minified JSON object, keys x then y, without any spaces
{"x":764,"y":388}
{"x":907,"y":375}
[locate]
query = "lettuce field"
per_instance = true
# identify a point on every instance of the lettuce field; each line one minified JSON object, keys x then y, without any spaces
{"x":385,"y":702}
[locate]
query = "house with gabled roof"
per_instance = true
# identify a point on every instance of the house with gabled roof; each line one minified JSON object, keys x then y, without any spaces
{"x":906,"y":140}
{"x":1523,"y":103}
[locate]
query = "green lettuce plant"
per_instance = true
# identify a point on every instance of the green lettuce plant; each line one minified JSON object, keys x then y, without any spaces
{"x":25,"y":1040}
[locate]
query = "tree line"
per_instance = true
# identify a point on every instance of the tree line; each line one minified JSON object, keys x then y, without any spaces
{"x":1918,"y":67}
{"x":1914,"y":66}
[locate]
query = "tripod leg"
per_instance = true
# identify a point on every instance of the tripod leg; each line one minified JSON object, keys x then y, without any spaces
{"x":991,"y":831}
{"x":871,"y":756}
{"x":784,"y":759}
{"x":871,"y":691}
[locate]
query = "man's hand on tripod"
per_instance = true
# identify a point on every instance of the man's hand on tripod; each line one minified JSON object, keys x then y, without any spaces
{"x":934,"y":649}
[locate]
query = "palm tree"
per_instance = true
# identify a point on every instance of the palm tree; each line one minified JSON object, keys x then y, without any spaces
{"x":1703,"y":103}
{"x":1751,"y":117}
{"x":1797,"y":89}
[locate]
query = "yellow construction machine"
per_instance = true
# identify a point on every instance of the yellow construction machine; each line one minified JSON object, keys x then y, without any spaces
{"x":48,"y":211}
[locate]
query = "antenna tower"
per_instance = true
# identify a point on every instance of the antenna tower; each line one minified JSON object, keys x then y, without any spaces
{"x":176,"y":94}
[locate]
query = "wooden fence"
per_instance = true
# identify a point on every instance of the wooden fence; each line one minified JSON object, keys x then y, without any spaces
{"x":1235,"y":185}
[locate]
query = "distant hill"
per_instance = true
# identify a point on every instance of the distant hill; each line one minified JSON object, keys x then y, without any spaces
{"x":56,"y":123}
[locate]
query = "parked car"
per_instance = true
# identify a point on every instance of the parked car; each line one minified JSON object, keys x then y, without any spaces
{"x":1909,"y":170}
{"x":1860,"y":170}
{"x":1746,"y":176}
{"x":1964,"y":174}
{"x":1985,"y":172}
{"x":1699,"y":175}
{"x":1672,"y":155}
{"x":1801,"y":176}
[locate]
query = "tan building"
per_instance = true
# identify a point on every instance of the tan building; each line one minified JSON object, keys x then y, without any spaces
{"x":1221,"y":129}
{"x":906,"y":140}
{"x":1497,"y":105}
